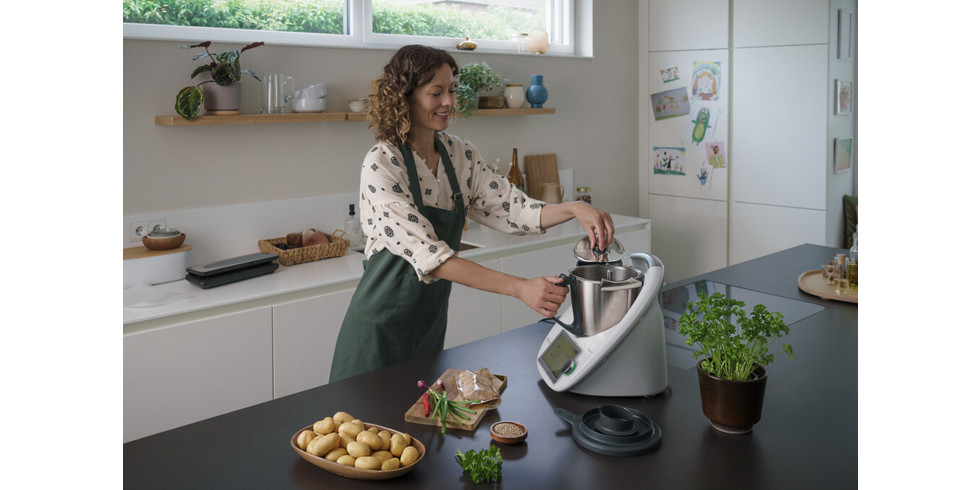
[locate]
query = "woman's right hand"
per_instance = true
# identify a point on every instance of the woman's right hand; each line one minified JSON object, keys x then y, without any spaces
{"x":543,"y":294}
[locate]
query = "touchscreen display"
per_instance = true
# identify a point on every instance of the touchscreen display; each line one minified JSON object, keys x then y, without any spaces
{"x":558,"y":354}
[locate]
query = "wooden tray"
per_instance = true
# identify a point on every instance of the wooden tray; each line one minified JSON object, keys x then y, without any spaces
{"x":350,"y":471}
{"x":416,"y":414}
{"x":814,"y":283}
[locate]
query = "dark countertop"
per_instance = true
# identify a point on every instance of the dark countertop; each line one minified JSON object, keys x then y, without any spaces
{"x":807,"y":438}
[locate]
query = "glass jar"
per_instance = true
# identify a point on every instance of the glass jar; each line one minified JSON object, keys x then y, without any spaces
{"x":583,"y":193}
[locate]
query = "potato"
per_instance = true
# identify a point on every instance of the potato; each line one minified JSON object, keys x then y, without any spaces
{"x":369,"y":438}
{"x":359,"y":424}
{"x":367,"y":463}
{"x":358,"y":449}
{"x":341,"y":417}
{"x":304,"y":438}
{"x":385,"y":437}
{"x":336,"y":453}
{"x":351,"y":429}
{"x":325,"y":426}
{"x":408,"y":438}
{"x":373,"y":429}
{"x":391,"y":464}
{"x":409,"y":455}
{"x":397,"y":444}
{"x":345,"y":439}
{"x":382,"y":455}
{"x":347,"y":459}
{"x":323,"y":445}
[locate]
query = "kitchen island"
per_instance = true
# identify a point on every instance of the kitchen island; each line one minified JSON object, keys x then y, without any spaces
{"x":807,"y":438}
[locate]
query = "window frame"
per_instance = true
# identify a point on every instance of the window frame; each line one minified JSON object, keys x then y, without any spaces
{"x":358,"y":34}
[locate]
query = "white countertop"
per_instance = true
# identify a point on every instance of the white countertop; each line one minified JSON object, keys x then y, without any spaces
{"x":144,"y":303}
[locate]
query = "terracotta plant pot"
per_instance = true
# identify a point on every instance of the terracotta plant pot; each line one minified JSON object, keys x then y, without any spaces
{"x":733,"y":407}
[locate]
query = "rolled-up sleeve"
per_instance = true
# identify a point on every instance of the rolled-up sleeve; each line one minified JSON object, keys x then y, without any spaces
{"x":390,"y":218}
{"x":497,"y":203}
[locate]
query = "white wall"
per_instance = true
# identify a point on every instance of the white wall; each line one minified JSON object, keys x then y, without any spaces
{"x":170,"y":168}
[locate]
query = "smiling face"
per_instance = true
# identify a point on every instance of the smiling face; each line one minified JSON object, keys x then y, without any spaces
{"x":432,"y":104}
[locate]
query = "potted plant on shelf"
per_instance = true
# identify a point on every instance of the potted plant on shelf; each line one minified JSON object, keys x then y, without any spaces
{"x":226,"y":71}
{"x":732,"y":357}
{"x":476,"y":82}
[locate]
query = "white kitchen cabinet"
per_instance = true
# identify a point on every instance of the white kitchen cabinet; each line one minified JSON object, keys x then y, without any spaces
{"x":304,"y":336}
{"x":764,"y":230}
{"x":672,"y":22}
{"x":188,"y":372}
{"x":780,"y":22}
{"x":473,"y":314}
{"x":689,"y":235}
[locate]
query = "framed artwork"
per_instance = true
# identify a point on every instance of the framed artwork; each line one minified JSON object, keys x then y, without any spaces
{"x":844,"y":34}
{"x":842,"y":155}
{"x":843,"y":101}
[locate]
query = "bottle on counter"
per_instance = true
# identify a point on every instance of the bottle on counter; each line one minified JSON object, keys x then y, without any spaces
{"x":852,"y":264}
{"x":352,"y":229}
{"x":583,"y":193}
{"x":515,"y":173}
{"x":840,"y":274}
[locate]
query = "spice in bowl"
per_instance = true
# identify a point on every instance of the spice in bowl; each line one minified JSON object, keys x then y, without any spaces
{"x":508,"y":432}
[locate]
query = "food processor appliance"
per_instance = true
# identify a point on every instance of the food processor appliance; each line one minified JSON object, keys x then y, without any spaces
{"x":610,"y":342}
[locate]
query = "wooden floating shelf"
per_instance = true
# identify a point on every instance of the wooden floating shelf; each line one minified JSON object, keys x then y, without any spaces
{"x":317,"y":117}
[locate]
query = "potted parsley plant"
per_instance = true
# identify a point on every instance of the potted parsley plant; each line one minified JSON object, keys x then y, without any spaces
{"x":732,"y":347}
{"x":476,"y":82}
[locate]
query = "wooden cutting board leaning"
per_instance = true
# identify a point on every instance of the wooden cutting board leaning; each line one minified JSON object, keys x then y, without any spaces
{"x":540,"y":169}
{"x":416,"y":414}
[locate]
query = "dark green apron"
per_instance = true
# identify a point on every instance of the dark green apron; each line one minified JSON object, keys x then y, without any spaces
{"x":394,"y":316}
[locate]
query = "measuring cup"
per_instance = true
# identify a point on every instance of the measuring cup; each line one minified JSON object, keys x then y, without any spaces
{"x":274,"y":92}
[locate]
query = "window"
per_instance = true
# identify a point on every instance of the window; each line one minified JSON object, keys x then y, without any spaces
{"x":493,"y":24}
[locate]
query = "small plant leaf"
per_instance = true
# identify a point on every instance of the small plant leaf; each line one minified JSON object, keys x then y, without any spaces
{"x":189,"y":101}
{"x":201,"y":69}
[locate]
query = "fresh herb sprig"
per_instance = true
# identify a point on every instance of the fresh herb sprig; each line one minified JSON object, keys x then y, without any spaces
{"x":443,"y":407}
{"x":484,"y":466}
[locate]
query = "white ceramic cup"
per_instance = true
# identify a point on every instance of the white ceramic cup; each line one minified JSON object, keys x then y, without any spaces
{"x":315,"y":104}
{"x":313,"y":91}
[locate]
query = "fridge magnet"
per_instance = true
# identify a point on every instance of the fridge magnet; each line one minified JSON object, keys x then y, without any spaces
{"x":842,"y":155}
{"x":668,"y":160}
{"x":669,"y":74}
{"x":843,"y":34}
{"x":706,"y":80}
{"x":670,"y":103}
{"x":844,"y":90}
{"x":716,"y":154}
{"x":702,"y":127}
{"x":704,"y":176}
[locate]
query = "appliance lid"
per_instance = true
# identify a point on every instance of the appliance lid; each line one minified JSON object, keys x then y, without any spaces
{"x":614,"y":430}
{"x":595,"y":255}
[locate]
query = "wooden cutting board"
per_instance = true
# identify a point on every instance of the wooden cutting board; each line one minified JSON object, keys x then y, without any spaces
{"x":540,"y":169}
{"x":416,"y":414}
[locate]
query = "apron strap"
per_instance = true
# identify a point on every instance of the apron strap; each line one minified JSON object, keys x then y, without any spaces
{"x":447,"y":168}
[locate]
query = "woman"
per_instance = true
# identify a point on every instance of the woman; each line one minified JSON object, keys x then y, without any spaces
{"x":418,"y":185}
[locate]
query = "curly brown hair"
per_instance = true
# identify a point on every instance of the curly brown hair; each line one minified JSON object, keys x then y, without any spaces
{"x":391,"y":94}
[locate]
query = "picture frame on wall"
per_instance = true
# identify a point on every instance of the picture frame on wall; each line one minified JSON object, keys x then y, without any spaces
{"x":842,"y":154}
{"x":844,"y":99}
{"x":844,"y":18}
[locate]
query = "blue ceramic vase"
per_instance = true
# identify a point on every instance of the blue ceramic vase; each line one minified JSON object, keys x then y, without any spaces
{"x":536,"y":93}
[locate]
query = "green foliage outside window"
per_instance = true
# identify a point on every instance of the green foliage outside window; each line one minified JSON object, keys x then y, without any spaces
{"x":327,"y":17}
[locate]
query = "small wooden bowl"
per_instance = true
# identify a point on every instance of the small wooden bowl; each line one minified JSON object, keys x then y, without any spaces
{"x":508,"y":439}
{"x":163,"y":243}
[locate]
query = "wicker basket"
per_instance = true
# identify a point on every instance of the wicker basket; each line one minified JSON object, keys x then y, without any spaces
{"x":337,"y":247}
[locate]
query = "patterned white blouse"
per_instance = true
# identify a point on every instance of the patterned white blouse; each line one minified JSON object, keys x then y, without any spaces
{"x":390,"y":220}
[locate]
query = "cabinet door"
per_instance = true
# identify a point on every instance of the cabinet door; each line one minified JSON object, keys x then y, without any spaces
{"x":546,"y":262}
{"x":304,"y":336}
{"x":690,"y":236}
{"x":761,"y":230}
{"x":473,"y":314}
{"x":185,"y":373}
{"x":779,"y":126}
{"x":779,"y":22}
{"x":691,"y":24}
